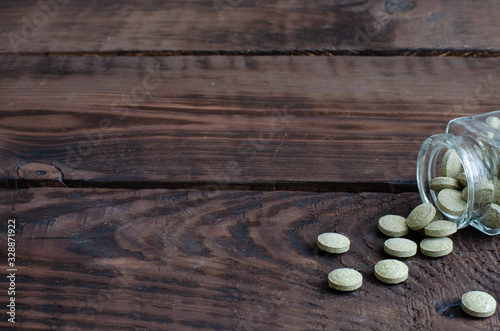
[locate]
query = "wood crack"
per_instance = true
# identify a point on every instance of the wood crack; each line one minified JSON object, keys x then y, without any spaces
{"x":354,"y":187}
{"x":413,"y":52}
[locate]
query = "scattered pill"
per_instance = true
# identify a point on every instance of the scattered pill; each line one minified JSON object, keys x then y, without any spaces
{"x":491,"y":217}
{"x":438,"y":183}
{"x":393,"y":226}
{"x":451,"y":165}
{"x":400,"y":247}
{"x":421,"y":216}
{"x":391,"y":271}
{"x":436,"y":247}
{"x":333,"y":243}
{"x":440,"y":229}
{"x":478,"y":304}
{"x":345,"y":279}
{"x":451,"y":202}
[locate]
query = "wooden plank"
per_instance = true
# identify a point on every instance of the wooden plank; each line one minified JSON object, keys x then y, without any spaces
{"x":186,"y":259}
{"x":223,"y":120}
{"x":242,"y":25}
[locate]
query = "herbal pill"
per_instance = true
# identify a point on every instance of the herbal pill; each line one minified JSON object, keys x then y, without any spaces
{"x":488,"y":134}
{"x":478,"y":304}
{"x":496,"y":195}
{"x":484,"y":192}
{"x":345,"y":279}
{"x":438,"y":216}
{"x":391,"y":271}
{"x":438,"y":183}
{"x":440,"y":229}
{"x":393,"y":226}
{"x":465,"y":194}
{"x":400,"y":247}
{"x":451,"y":202}
{"x":493,"y":121}
{"x":462,"y":179}
{"x":421,"y":216}
{"x":491,"y":217}
{"x":333,"y":243}
{"x":451,"y":165}
{"x":436,"y":247}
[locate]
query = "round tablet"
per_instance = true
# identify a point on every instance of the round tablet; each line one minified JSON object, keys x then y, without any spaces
{"x":462,"y":178}
{"x":491,"y":217}
{"x":451,"y":165}
{"x":421,"y":216}
{"x":440,"y":229}
{"x":438,"y":183}
{"x":436,"y":247}
{"x":451,"y":202}
{"x":333,"y":243}
{"x":391,"y":271}
{"x":484,"y":192}
{"x":393,"y":226}
{"x":465,"y":194}
{"x":345,"y":279}
{"x":400,"y":247}
{"x":493,"y":121}
{"x":478,"y":304}
{"x":496,"y":194}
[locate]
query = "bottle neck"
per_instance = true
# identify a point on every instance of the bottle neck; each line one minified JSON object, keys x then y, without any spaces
{"x":476,"y":166}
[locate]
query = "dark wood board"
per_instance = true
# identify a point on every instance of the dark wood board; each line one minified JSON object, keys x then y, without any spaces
{"x":152,"y":122}
{"x":246,"y":25}
{"x":118,"y":107}
{"x":186,"y":259}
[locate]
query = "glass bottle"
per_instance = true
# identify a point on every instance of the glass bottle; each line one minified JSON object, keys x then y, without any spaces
{"x":476,"y":142}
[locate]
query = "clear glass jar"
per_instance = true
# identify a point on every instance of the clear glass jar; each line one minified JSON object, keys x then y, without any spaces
{"x":476,"y":141}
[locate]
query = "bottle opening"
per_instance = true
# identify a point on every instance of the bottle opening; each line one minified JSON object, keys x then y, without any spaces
{"x":453,"y":175}
{"x":441,"y":163}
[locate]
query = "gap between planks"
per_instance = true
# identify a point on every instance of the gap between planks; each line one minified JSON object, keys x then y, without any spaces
{"x":418,"y":52}
{"x":352,"y":187}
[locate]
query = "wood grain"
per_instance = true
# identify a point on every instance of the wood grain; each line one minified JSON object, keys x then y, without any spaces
{"x":186,"y":259}
{"x":150,"y":122}
{"x":222,"y":25}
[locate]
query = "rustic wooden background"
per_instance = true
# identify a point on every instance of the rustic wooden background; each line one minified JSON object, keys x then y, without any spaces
{"x":170,"y":164}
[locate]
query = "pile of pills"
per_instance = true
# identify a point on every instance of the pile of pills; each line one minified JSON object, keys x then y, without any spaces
{"x":425,"y":220}
{"x":451,"y":190}
{"x":451,"y":194}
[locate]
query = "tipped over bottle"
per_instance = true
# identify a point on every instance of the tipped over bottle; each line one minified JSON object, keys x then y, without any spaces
{"x":458,"y":172}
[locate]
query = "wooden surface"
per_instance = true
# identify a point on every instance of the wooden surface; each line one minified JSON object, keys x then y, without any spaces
{"x":183,"y":259}
{"x":171,"y":164}
{"x":317,"y":121}
{"x":247,"y":25}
